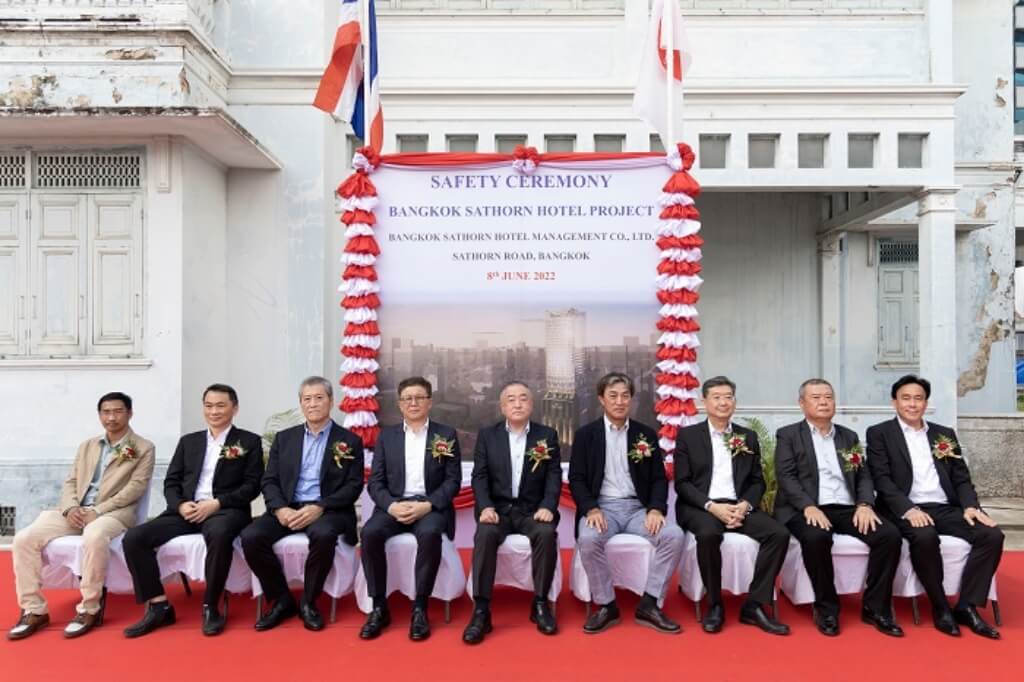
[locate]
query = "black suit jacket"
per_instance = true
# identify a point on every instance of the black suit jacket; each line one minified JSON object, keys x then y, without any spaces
{"x":236,"y":482}
{"x":796,"y":470}
{"x":492,"y":472}
{"x":694,"y":462}
{"x":586,"y":468}
{"x":442,"y":477}
{"x":893,"y":474}
{"x":340,"y":485}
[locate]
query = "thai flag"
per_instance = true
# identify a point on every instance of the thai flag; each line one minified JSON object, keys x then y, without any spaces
{"x":652,"y":89}
{"x":343,"y":87}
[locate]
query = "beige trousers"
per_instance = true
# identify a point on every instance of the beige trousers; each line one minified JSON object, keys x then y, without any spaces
{"x":28,"y":547}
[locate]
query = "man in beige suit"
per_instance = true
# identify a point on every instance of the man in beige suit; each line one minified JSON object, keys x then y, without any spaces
{"x":109,"y":476}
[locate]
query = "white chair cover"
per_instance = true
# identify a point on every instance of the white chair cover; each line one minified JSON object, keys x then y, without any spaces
{"x":401,"y":556}
{"x":954,"y":553}
{"x":187,"y":554}
{"x":629,"y":558}
{"x":292,"y":550}
{"x":739,"y":553}
{"x":515,"y":567}
{"x":849,"y":561}
{"x":62,"y":559}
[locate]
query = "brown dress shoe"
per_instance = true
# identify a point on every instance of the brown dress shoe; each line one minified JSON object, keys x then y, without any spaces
{"x":27,"y":625}
{"x":82,"y":623}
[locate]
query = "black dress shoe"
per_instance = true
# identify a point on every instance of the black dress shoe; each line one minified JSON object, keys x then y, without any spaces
{"x":311,"y":617}
{"x":479,"y":625}
{"x":419,"y":626}
{"x":213,"y":621}
{"x":945,"y":622}
{"x":755,"y":615}
{"x":540,"y":613}
{"x":714,"y":619}
{"x":828,"y":624}
{"x":602,"y":619}
{"x":653,"y":617}
{"x":157,"y":616}
{"x":282,"y":610}
{"x":884,"y":624}
{"x":375,"y":623}
{"x":969,"y":616}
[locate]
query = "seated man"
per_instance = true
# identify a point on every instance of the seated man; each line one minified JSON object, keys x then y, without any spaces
{"x":517,"y":478}
{"x":924,"y":487}
{"x":719,"y":483}
{"x":109,"y":476}
{"x":416,"y":473}
{"x":617,"y":478}
{"x":210,"y":484}
{"x":825,"y":488}
{"x":313,"y":479}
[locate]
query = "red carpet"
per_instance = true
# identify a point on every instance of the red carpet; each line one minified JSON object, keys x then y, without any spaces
{"x":514,"y":651}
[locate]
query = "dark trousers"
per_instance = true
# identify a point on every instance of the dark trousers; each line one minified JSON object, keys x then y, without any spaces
{"x":816,"y":544}
{"x":543,"y":547}
{"x":709,"y":531}
{"x":380,"y":528}
{"x":219,"y":530}
{"x":986,"y":551}
{"x":258,"y":544}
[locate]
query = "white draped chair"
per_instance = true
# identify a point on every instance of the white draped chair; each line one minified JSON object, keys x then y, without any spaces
{"x":401,"y":556}
{"x":954,"y":553}
{"x":629,"y":560}
{"x":515,"y":568}
{"x":292,"y":551}
{"x":185,"y":557}
{"x":739,"y":554}
{"x":849,"y":561}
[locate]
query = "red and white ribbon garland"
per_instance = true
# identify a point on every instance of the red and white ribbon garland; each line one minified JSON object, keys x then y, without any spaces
{"x":678,"y":282}
{"x":360,"y":344}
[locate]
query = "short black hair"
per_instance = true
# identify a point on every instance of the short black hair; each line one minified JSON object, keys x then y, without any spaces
{"x":908,"y":379}
{"x":222,"y":388}
{"x":714,"y":382}
{"x":615,"y":378}
{"x":115,"y":395}
{"x":415,"y":381}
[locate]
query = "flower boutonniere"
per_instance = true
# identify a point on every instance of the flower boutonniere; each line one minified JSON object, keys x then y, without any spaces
{"x":539,"y":453}
{"x":125,"y":452}
{"x":441,"y":448}
{"x":945,"y":447}
{"x":853,"y":458}
{"x":736,"y":443}
{"x":235,"y":451}
{"x":341,"y":452}
{"x":641,"y":450}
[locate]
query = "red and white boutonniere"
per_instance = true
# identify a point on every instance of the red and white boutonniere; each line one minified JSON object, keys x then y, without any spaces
{"x":736,"y":443}
{"x":125,"y":452}
{"x":235,"y":451}
{"x":539,"y":453}
{"x":341,"y":452}
{"x":641,"y":450}
{"x":442,"y":447}
{"x":853,"y":458}
{"x":945,"y":447}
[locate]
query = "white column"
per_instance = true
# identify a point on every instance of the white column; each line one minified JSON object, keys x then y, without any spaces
{"x":936,"y":230}
{"x":831,"y":331}
{"x":939,"y":15}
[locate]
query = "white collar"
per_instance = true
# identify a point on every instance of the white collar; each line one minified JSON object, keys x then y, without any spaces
{"x":608,"y":426}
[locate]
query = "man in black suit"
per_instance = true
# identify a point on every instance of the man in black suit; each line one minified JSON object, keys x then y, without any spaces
{"x":211,"y":481}
{"x":825,"y":488}
{"x":416,"y":473}
{"x":517,"y":478}
{"x":925,"y":488}
{"x":617,"y":478}
{"x":313,"y":479}
{"x":719,"y":484}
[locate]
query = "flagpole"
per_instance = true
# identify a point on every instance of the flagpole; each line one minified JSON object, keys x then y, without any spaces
{"x":669,"y":31}
{"x":364,"y":40}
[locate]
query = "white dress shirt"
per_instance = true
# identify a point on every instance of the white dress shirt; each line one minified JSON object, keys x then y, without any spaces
{"x":415,"y":449}
{"x":926,"y":486}
{"x":517,"y":451}
{"x":617,"y":483}
{"x":204,"y":486}
{"x":831,"y":484}
{"x":722,"y":485}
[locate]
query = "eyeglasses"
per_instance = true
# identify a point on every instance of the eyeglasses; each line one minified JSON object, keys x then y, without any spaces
{"x":414,"y":399}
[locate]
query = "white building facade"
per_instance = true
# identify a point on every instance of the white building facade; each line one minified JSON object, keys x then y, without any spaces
{"x":166,"y":213}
